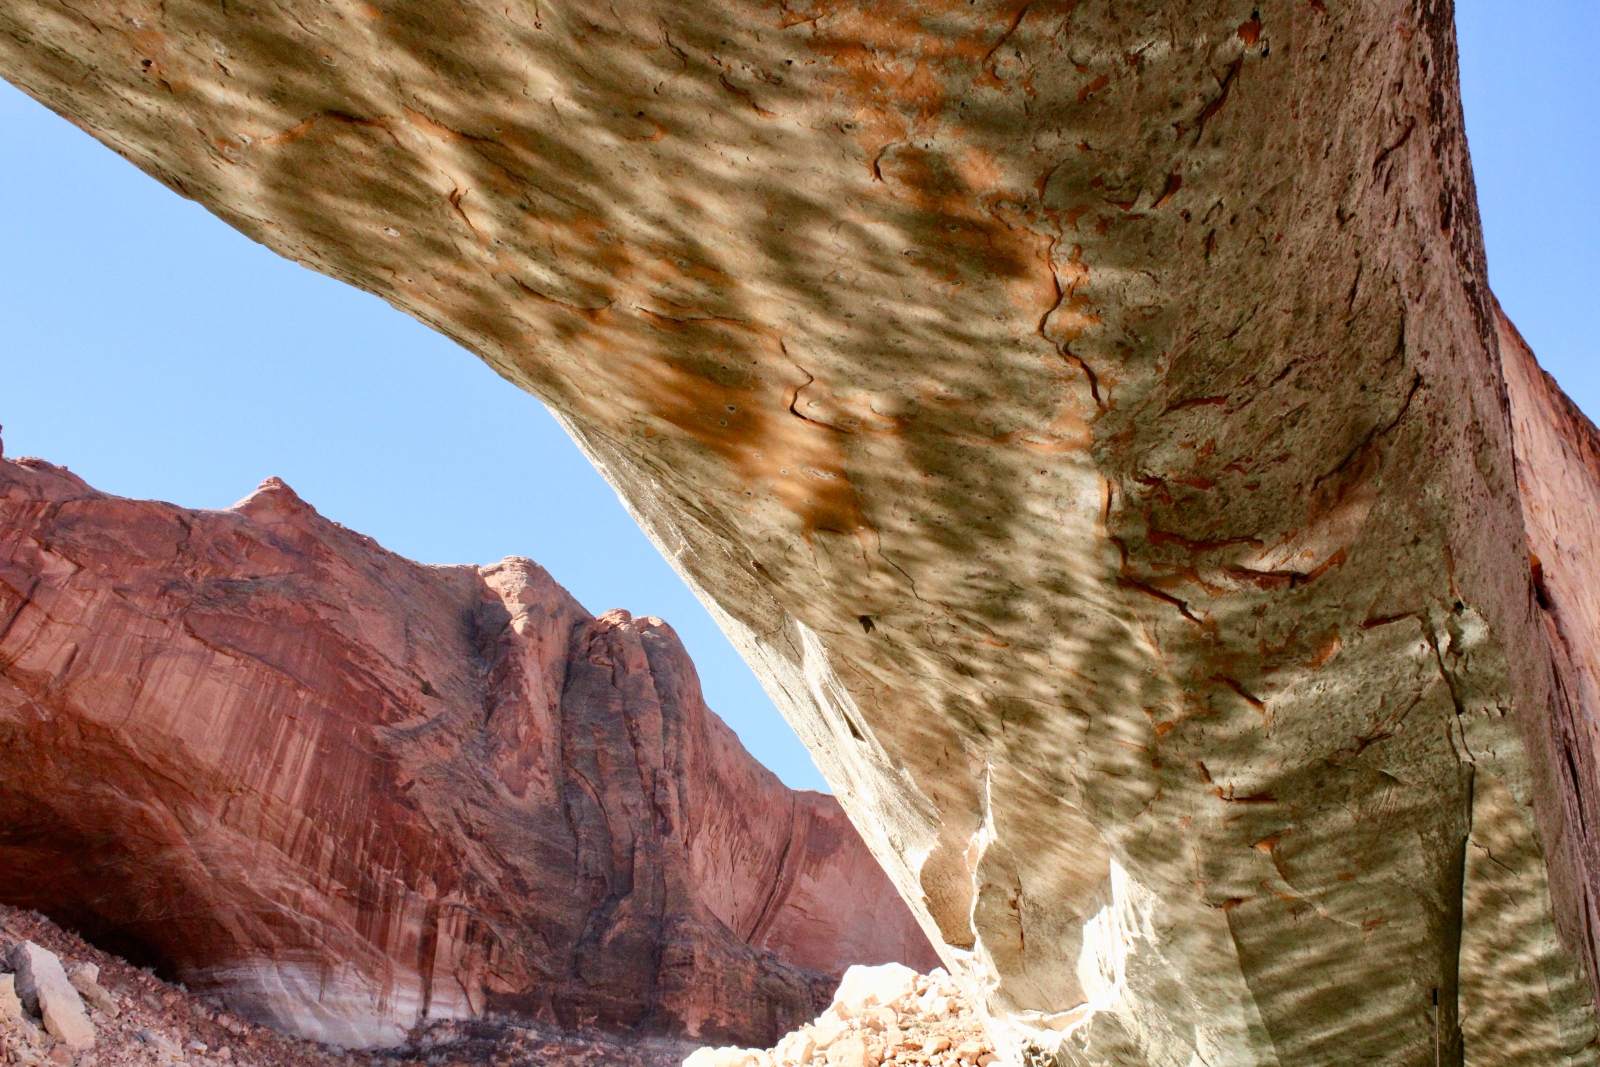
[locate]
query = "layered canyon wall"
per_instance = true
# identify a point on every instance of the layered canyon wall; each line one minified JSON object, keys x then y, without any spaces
{"x":1086,"y":415}
{"x":351,"y":793}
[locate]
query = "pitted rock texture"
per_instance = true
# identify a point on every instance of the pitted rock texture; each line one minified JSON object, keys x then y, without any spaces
{"x":1086,"y":415}
{"x":351,"y":793}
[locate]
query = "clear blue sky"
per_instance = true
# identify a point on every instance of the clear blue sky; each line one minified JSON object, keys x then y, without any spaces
{"x":159,"y":354}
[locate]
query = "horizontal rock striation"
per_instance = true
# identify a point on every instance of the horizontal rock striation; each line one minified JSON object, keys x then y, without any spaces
{"x":352,"y":793}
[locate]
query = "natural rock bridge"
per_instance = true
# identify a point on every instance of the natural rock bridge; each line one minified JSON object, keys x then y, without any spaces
{"x":1086,"y":415}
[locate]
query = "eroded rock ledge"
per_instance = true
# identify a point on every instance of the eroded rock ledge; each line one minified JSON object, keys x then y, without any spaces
{"x":351,"y":793}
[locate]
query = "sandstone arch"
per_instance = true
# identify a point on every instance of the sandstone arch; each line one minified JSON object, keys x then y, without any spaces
{"x":1086,"y":416}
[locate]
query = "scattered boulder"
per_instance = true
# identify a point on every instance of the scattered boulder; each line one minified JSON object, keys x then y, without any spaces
{"x":45,"y":990}
{"x":866,"y":987}
{"x":160,"y":1043}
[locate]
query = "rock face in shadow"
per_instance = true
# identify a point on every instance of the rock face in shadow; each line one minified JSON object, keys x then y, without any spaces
{"x":351,"y":792}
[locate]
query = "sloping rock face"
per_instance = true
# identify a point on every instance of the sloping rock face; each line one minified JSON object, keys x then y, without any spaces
{"x":1086,"y":415}
{"x":350,"y":792}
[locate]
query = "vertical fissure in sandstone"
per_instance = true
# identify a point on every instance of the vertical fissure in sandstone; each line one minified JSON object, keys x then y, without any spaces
{"x":1152,"y":411}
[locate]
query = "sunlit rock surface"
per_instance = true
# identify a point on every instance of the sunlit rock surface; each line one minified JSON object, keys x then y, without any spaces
{"x":350,"y":793}
{"x":1085,"y":414}
{"x":879,"y":1015}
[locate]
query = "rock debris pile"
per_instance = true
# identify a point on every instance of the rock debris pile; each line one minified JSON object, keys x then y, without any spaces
{"x":64,"y":1003}
{"x":887,"y":1014}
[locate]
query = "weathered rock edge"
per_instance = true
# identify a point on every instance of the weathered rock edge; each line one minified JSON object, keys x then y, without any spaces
{"x":351,"y":793}
{"x":1085,"y":416}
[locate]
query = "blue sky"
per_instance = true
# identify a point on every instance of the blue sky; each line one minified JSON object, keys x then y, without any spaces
{"x":1530,"y":81}
{"x":159,"y":354}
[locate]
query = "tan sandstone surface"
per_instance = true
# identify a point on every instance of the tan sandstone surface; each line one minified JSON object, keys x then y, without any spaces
{"x":1086,"y":416}
{"x":350,"y":793}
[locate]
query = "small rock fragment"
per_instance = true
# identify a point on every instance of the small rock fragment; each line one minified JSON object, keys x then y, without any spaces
{"x":879,"y":1018}
{"x":30,"y":1035}
{"x":852,"y":1050}
{"x":796,"y":1048}
{"x":43,"y":987}
{"x":10,"y":1006}
{"x":823,"y":1036}
{"x":163,"y":1045}
{"x":85,"y":978}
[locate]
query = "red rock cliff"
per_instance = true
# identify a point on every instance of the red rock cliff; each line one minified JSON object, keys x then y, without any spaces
{"x":1558,"y":481}
{"x":352,"y":792}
